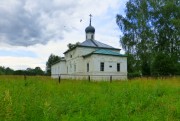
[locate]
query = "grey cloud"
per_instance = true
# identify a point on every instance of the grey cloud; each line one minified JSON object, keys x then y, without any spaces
{"x":24,"y":25}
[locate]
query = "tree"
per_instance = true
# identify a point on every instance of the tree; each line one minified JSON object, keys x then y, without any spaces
{"x":38,"y":71}
{"x":51,"y":60}
{"x":137,"y":34}
{"x":149,"y":28}
{"x":2,"y":70}
{"x":163,"y":65}
{"x":70,"y":45}
{"x":35,"y":71}
{"x":9,"y":71}
{"x":6,"y":71}
{"x":19,"y":72}
{"x":166,"y":22}
{"x":28,"y":71}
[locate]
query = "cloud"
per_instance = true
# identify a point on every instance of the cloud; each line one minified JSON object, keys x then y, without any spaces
{"x":21,"y":62}
{"x":17,"y":53}
{"x":17,"y":26}
{"x":30,"y":22}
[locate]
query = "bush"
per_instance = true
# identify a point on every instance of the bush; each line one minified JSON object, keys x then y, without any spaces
{"x":133,"y":75}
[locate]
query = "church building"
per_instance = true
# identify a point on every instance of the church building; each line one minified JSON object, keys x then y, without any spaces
{"x":91,"y":59}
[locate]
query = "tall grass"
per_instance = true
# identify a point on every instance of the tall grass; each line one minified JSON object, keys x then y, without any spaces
{"x":44,"y":99}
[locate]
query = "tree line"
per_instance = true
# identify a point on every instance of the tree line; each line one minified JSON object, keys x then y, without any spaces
{"x":151,"y":36}
{"x":28,"y":71}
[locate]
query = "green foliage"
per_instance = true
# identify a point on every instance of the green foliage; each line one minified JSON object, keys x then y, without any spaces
{"x":38,"y":71}
{"x":28,"y":71}
{"x":43,"y":99}
{"x":133,"y":75}
{"x":6,"y":71}
{"x":150,"y":28}
{"x":178,"y":69}
{"x":2,"y":70}
{"x":51,"y":60}
{"x":35,"y":71}
{"x":163,"y":65}
{"x":133,"y":64}
{"x":19,"y":72}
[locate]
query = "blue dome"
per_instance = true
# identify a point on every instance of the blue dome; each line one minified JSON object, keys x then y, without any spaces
{"x":90,"y":29}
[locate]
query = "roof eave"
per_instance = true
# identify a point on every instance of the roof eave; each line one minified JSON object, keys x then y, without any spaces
{"x":99,"y":47}
{"x":103,"y":54}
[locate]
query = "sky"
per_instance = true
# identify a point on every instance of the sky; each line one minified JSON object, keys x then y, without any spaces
{"x":30,"y":30}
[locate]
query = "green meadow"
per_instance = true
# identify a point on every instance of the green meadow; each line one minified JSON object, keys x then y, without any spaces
{"x":44,"y":99}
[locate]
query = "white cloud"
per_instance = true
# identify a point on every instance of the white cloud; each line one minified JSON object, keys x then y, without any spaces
{"x":21,"y":62}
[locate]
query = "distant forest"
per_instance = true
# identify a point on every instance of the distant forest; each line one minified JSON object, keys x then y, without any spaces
{"x":28,"y":71}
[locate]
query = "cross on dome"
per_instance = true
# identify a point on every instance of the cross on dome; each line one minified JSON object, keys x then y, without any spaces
{"x":90,"y":19}
{"x":90,"y":29}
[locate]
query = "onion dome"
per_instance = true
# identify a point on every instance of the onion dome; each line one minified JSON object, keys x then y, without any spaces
{"x":90,"y":29}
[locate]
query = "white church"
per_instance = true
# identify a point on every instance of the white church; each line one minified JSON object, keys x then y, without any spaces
{"x":91,"y":59}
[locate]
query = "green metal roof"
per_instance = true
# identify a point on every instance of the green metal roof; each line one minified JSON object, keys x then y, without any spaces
{"x":106,"y":52}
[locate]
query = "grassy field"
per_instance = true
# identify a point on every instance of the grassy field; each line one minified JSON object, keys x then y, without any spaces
{"x":43,"y":99}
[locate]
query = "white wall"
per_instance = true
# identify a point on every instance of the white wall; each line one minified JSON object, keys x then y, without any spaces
{"x":77,"y":52}
{"x":58,"y":68}
{"x":109,"y":61}
{"x":90,"y":35}
{"x":74,"y":58}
